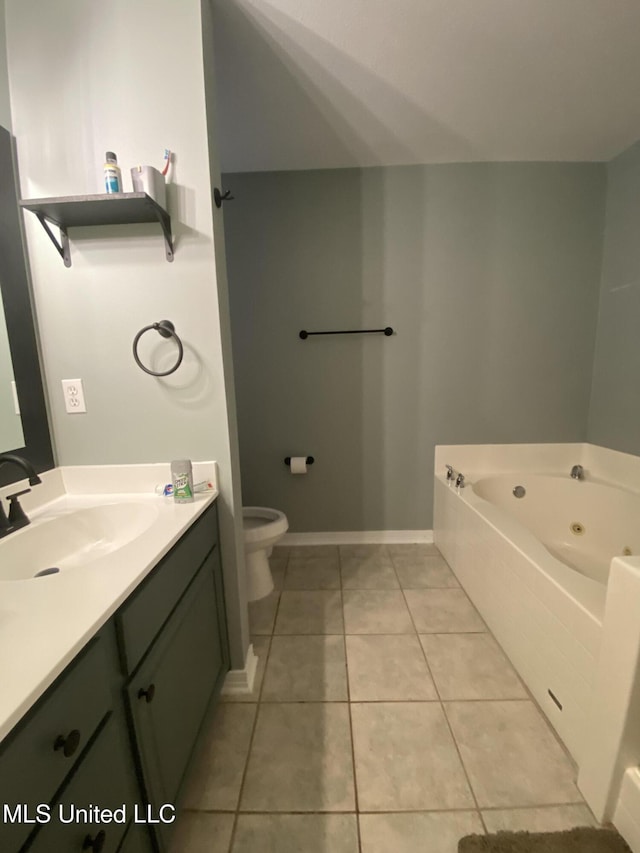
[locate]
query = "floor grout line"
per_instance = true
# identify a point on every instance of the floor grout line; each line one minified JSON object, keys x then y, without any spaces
{"x":444,"y":714}
{"x":374,"y":701}
{"x":533,"y":808}
{"x":452,"y":810}
{"x":353,"y":744}
{"x":367,"y":633}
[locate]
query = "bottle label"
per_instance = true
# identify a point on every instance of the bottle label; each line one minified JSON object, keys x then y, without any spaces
{"x":111,"y":181}
{"x":181,"y":487}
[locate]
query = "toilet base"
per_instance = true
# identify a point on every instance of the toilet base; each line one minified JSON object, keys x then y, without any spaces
{"x":259,"y":577}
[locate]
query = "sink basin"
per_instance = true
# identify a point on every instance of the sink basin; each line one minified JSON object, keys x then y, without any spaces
{"x":72,"y":539}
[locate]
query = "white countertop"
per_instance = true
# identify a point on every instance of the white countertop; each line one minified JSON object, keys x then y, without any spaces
{"x":45,"y":622}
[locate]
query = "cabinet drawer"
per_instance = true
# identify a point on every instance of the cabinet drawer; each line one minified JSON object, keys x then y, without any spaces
{"x":145,"y":612}
{"x":33,"y":759}
{"x":103,"y":778}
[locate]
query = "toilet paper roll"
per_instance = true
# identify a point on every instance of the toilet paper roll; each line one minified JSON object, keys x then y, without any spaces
{"x":298,"y":464}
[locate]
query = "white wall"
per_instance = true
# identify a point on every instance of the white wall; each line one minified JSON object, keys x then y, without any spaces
{"x":5,"y":104}
{"x":231,"y":473}
{"x":127,"y":76}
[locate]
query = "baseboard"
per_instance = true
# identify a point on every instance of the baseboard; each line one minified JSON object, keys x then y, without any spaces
{"x":240,"y":681}
{"x":358,"y":537}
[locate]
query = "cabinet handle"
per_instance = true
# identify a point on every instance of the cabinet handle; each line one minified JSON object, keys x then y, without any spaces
{"x":67,"y":744}
{"x":147,"y":694}
{"x":96,"y":844}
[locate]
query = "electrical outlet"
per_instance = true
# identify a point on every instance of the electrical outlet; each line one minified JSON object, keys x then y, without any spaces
{"x":73,"y":396}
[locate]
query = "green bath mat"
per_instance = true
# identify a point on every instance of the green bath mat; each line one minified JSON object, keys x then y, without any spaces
{"x":581,"y":840}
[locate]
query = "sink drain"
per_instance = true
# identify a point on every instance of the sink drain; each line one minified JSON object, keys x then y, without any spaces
{"x":44,"y":572}
{"x":577,"y":528}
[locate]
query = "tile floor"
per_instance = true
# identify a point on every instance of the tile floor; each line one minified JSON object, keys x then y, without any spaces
{"x":385,"y":717}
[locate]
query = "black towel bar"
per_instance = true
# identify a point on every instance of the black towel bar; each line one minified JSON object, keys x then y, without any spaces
{"x":386,"y":331}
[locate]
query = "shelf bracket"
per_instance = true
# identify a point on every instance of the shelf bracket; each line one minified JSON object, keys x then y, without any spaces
{"x":166,"y":230}
{"x":62,"y":246}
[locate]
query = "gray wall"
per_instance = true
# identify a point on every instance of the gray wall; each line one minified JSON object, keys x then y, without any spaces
{"x":614,"y":417}
{"x":11,"y":434}
{"x":488,"y":272}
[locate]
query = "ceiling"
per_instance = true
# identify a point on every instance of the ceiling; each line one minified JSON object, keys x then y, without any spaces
{"x":305,"y":84}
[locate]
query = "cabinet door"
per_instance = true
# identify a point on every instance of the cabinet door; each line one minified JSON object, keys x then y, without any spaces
{"x":169,"y":695}
{"x":141,"y":617}
{"x":104,"y":778}
{"x":41,"y":752}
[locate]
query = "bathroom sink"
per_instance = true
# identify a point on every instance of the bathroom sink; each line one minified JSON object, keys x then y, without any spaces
{"x":72,"y":539}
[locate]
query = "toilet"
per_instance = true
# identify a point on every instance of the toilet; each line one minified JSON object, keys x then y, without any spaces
{"x":263,"y":527}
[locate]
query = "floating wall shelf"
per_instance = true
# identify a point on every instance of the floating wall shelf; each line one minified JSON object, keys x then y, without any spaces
{"x":107,"y":209}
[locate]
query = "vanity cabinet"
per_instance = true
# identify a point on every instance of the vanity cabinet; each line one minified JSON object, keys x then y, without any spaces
{"x":117,"y":728}
{"x":170,"y":692}
{"x":183,"y":667}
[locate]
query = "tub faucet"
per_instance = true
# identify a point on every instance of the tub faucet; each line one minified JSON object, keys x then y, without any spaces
{"x":577,"y":472}
{"x":460,"y":481}
{"x":449,"y":473}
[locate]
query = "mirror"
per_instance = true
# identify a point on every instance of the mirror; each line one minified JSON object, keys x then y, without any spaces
{"x":28,"y":433}
{"x":11,"y":434}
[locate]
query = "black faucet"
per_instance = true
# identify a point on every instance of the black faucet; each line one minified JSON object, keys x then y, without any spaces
{"x":26,"y":466}
{"x":17,"y":517}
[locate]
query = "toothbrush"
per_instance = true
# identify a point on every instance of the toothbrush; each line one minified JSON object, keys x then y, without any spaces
{"x":167,"y":161}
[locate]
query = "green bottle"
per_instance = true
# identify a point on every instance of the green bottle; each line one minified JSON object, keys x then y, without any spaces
{"x":182,"y":479}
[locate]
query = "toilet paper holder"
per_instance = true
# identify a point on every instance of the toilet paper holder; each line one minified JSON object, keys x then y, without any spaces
{"x":310,"y":460}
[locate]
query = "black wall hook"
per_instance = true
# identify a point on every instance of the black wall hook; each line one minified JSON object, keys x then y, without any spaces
{"x":219,"y":196}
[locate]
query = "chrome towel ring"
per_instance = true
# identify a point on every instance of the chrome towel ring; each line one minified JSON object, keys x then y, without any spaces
{"x":167,"y":330}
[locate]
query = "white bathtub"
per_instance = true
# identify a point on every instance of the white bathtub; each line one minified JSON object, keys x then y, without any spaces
{"x":556,"y":576}
{"x":540,"y":587}
{"x":584,"y":524}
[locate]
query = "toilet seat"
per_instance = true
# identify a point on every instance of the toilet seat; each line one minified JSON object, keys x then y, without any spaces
{"x":262,"y":524}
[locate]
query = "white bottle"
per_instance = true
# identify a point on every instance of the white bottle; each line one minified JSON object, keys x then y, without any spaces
{"x":112,"y":174}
